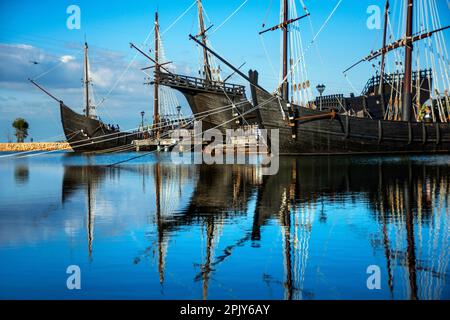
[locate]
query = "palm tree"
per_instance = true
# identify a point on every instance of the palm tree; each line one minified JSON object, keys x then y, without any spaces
{"x":21,"y":126}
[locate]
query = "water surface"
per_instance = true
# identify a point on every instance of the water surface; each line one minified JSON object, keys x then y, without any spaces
{"x":150,"y":229}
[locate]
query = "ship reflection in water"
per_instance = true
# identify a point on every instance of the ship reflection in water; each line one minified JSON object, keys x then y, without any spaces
{"x":162,"y":231}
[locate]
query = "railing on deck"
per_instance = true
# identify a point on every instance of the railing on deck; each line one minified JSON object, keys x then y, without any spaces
{"x":175,"y":80}
{"x":394,"y":78}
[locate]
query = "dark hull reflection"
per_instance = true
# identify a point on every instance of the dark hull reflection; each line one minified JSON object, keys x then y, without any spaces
{"x":403,"y":197}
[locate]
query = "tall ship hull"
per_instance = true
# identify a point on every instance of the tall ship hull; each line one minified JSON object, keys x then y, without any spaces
{"x":323,"y":132}
{"x":85,"y":134}
{"x":214,"y":101}
{"x":399,"y":113}
{"x":218,"y":105}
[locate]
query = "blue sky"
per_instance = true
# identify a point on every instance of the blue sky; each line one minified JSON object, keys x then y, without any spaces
{"x":31,"y":30}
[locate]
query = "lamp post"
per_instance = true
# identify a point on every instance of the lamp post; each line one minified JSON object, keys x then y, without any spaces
{"x":179,"y":114}
{"x":142,"y":121}
{"x":321,"y":89}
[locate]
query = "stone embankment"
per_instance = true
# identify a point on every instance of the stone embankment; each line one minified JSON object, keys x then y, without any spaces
{"x":34,"y":146}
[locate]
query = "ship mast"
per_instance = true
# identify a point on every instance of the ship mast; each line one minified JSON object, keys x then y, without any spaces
{"x":160,"y":230}
{"x":202,"y":35}
{"x":407,"y":86}
{"x":86,"y":80}
{"x":91,"y":213}
{"x":383,"y":56}
{"x":156,"y":124}
{"x":284,"y":25}
{"x":285,"y":85}
{"x":206,"y":267}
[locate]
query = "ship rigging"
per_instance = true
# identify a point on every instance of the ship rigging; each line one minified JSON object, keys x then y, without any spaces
{"x":357,"y":125}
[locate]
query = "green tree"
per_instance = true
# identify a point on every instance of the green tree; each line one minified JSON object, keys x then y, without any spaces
{"x":21,"y":126}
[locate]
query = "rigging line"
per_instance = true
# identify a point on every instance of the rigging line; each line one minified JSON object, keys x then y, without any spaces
{"x":30,"y":151}
{"x":61,"y":62}
{"x":396,"y":53}
{"x":206,"y":14}
{"x":78,"y":146}
{"x":326,"y":21}
{"x":248,"y":111}
{"x":113,"y":149}
{"x":234,"y":105}
{"x":115,"y":137}
{"x":349,"y":82}
{"x":119,"y":79}
{"x":219,"y":111}
{"x":174,"y":144}
{"x":91,"y":142}
{"x":232,"y":119}
{"x":130,"y":131}
{"x":179,"y":17}
{"x":228,"y":18}
{"x":442,"y":48}
{"x":267,"y":13}
{"x":208,"y":112}
{"x":319,"y":54}
{"x":435,"y":23}
{"x":312,"y":41}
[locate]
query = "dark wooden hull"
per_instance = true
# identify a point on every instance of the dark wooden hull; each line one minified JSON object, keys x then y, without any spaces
{"x":212,"y":105}
{"x":348,"y":134}
{"x":211,"y":101}
{"x":89,"y":135}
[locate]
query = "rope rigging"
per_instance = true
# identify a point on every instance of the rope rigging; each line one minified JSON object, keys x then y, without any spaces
{"x":430,"y":80}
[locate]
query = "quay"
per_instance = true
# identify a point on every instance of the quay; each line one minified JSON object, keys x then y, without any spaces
{"x":246,"y":141}
{"x":162,"y":144}
{"x":34,"y":146}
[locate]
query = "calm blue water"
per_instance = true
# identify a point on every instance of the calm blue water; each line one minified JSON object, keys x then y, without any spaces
{"x":150,"y":229}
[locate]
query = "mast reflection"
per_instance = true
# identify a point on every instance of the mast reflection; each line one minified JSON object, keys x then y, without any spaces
{"x":408,"y":200}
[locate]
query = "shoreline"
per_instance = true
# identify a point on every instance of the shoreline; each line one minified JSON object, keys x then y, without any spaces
{"x":34,"y":146}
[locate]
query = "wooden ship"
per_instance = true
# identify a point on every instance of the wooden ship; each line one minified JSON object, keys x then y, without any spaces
{"x":216,"y":102}
{"x":389,"y":117}
{"x":167,"y":114}
{"x":86,"y":132}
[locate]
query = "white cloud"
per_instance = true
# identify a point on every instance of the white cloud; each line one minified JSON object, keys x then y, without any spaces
{"x":123,"y":105}
{"x":66,"y":58}
{"x":102,"y":77}
{"x":22,"y":46}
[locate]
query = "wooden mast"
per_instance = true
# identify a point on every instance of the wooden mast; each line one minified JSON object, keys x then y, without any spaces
{"x":156,"y":124}
{"x":159,"y":224}
{"x":383,"y":57}
{"x":91,"y":213}
{"x":284,"y":25}
{"x":407,"y":86}
{"x":285,"y":85}
{"x":285,"y":216}
{"x":86,"y":79}
{"x":394,"y":45}
{"x":206,"y":268}
{"x":202,"y":34}
{"x":410,"y":240}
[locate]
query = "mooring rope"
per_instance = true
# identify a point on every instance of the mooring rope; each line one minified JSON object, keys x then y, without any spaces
{"x":201,"y":133}
{"x":100,"y":139}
